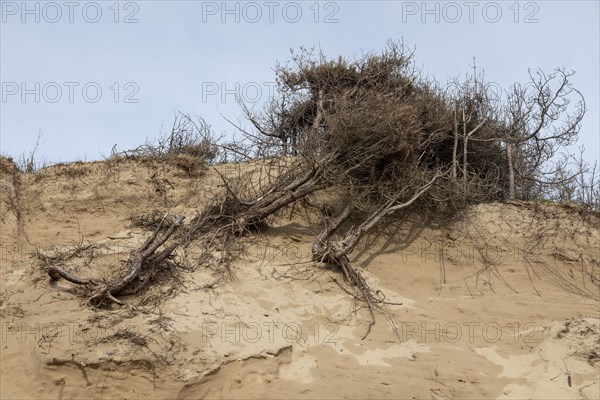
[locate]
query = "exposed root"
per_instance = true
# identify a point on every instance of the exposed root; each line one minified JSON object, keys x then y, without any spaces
{"x":144,"y":264}
{"x":333,"y":255}
{"x":57,"y":273}
{"x":336,"y":252}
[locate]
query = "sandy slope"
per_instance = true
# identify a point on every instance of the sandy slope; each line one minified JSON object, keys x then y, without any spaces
{"x":501,"y":303}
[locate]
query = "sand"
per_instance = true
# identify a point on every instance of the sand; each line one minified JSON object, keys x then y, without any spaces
{"x":501,"y":302}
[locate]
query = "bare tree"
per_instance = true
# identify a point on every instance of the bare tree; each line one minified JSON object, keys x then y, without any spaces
{"x":540,"y":119}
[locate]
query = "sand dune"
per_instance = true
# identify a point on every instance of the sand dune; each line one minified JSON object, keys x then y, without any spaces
{"x":501,"y":302}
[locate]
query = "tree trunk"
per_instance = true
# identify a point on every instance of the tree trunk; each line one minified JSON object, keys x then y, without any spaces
{"x":455,"y":148}
{"x":511,"y":171}
{"x":284,"y":145}
{"x":325,"y":235}
{"x":466,"y":142}
{"x":319,"y":116}
{"x":280,"y":197}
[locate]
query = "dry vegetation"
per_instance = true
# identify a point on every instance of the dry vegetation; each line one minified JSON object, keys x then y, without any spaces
{"x":378,"y":138}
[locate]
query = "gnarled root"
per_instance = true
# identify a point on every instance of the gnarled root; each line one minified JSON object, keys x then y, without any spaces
{"x":143,"y":264}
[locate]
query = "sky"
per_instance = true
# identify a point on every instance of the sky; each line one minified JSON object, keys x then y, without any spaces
{"x":91,"y":75}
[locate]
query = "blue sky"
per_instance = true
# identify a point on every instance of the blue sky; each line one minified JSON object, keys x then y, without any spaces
{"x":141,"y":61}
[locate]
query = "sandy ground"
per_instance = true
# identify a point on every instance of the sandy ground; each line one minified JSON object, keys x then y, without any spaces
{"x":500,"y":303}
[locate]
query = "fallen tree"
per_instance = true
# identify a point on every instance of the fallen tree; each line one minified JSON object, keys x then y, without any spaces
{"x":145,"y":263}
{"x":371,"y":131}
